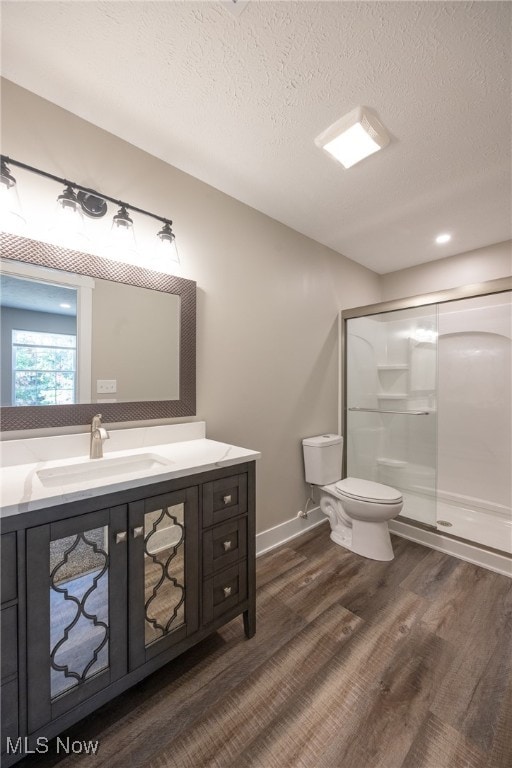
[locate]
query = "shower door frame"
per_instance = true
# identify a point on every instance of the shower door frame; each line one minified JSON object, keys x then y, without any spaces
{"x":500,"y":285}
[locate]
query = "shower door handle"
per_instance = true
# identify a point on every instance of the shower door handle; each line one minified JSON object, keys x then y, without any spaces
{"x":381,"y":410}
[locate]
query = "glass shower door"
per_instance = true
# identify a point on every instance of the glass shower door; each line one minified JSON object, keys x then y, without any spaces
{"x":391,"y":423}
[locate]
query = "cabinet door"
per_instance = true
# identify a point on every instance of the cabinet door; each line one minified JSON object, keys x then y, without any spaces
{"x":76,"y":608}
{"x":163,"y":572}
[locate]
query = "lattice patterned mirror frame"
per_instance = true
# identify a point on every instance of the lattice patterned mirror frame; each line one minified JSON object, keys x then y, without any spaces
{"x":30,"y":251}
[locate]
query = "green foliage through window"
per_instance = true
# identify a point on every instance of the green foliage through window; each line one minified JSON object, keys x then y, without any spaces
{"x":44,"y":368}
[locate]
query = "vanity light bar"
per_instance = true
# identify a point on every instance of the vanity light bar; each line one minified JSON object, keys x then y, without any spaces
{"x":93,"y":203}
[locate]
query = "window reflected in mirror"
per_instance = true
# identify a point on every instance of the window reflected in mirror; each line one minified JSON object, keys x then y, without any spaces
{"x":39,"y":362}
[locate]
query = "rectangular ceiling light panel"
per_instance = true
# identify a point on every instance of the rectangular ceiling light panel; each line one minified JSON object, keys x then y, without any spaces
{"x":353,"y":137}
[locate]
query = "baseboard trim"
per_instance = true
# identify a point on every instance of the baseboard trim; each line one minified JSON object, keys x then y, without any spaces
{"x":471,"y":553}
{"x":290,"y":529}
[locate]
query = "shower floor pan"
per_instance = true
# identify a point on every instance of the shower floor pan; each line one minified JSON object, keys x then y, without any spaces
{"x":480,"y":526}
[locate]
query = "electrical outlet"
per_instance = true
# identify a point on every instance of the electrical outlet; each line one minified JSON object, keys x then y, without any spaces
{"x":106,"y":386}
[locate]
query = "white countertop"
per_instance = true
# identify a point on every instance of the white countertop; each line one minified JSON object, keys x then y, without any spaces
{"x":22,"y":489}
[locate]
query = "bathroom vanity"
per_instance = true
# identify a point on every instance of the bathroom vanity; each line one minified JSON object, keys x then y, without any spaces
{"x":113,"y":567}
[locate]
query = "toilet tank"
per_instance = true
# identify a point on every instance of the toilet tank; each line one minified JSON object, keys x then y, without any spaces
{"x":322,"y":458}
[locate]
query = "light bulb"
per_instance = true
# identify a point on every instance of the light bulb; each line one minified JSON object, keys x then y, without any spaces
{"x":121,"y":244}
{"x":68,"y":223}
{"x":166,"y":244}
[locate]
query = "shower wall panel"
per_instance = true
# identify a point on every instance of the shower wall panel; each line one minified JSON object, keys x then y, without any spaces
{"x":475,"y":400}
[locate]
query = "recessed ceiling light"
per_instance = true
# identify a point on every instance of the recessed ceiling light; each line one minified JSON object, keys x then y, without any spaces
{"x":65,"y":306}
{"x":235,"y":6}
{"x":353,"y":137}
{"x":445,"y":238}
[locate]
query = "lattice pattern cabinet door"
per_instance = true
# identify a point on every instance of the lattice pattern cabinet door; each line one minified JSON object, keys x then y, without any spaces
{"x":76,"y":610}
{"x":163,"y":573}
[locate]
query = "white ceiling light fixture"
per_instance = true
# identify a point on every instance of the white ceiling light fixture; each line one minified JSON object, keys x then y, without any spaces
{"x":354,"y":137}
{"x":444,"y":238}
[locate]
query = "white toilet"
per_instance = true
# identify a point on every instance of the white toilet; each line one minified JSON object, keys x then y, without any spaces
{"x":358,"y":510}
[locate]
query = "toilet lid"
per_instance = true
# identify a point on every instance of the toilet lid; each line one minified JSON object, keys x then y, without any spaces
{"x":367,"y":490}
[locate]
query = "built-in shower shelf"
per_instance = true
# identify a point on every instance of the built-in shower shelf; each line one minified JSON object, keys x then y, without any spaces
{"x":391,"y":367}
{"x":392,"y":396}
{"x":396,"y":463}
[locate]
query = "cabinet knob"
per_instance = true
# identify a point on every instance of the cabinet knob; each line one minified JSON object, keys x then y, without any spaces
{"x":227,"y":591}
{"x":121,"y":537}
{"x":138,"y":532}
{"x":227,"y":499}
{"x":227,"y":546}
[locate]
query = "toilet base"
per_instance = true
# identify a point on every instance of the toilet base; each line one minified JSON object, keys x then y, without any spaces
{"x":371,"y":540}
{"x":368,"y":539}
{"x":342,"y":536}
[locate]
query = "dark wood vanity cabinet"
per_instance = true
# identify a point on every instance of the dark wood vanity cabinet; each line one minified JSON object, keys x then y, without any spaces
{"x":227,"y":559}
{"x":10,"y":612}
{"x":117,"y":586}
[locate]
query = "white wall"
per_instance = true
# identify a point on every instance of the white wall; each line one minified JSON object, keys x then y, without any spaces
{"x":489,"y":263}
{"x":268,"y":297}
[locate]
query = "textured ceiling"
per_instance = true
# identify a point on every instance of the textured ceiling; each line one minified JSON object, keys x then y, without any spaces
{"x":36,"y":296}
{"x":237,"y":100}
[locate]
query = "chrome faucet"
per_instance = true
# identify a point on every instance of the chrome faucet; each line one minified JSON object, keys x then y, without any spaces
{"x":98,"y":435}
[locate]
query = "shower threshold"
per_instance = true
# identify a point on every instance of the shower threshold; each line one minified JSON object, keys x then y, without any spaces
{"x":487,"y":557}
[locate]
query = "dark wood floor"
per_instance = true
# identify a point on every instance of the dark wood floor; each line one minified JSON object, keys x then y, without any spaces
{"x":355,"y":664}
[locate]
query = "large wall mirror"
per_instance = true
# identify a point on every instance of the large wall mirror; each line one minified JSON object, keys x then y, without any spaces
{"x":82,"y":335}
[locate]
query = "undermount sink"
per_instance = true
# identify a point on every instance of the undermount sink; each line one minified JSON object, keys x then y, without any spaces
{"x":98,"y":469}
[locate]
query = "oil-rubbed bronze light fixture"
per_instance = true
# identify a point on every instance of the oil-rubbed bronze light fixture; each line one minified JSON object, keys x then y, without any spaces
{"x":6,"y":178}
{"x":76,"y":200}
{"x":122,"y":235}
{"x":10,"y":208}
{"x":166,"y":244}
{"x":69,"y":219}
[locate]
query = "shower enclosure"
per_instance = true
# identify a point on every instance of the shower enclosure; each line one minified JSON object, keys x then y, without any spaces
{"x":427,"y":408}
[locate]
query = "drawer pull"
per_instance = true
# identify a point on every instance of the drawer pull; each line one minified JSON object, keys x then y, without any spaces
{"x":121,"y":537}
{"x":227,"y":546}
{"x":227,"y":499}
{"x":227,"y":591}
{"x":138,"y":532}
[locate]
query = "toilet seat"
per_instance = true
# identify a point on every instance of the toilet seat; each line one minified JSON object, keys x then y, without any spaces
{"x":367,"y":490}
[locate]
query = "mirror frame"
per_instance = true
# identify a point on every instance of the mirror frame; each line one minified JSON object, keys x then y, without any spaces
{"x":16,"y":248}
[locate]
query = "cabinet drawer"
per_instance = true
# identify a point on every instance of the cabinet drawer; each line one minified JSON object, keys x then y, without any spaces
{"x":224,"y":498}
{"x":9,"y":586}
{"x":9,"y":641}
{"x":9,"y":701}
{"x":223,"y":591}
{"x":224,"y":545}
